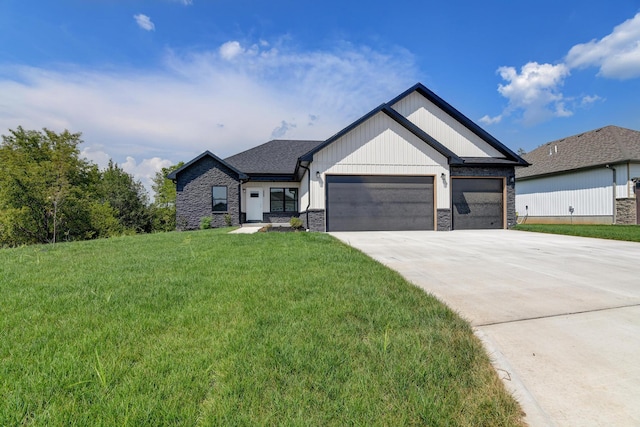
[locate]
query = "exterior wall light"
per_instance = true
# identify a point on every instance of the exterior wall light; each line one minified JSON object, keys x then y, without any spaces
{"x":318,"y":174}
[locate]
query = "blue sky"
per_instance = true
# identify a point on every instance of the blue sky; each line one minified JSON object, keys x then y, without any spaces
{"x":153,"y":82}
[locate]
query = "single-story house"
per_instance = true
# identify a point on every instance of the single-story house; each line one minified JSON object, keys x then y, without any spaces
{"x":414,"y":163}
{"x":590,"y":178}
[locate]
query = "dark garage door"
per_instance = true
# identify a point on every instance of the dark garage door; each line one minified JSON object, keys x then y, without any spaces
{"x":477,"y":203}
{"x":368,"y":203}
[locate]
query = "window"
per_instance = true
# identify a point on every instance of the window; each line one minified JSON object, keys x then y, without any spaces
{"x":284,"y":200}
{"x":219,"y":196}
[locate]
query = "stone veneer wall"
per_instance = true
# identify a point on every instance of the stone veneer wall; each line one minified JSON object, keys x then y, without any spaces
{"x":316,"y":220}
{"x":281,"y":217}
{"x":444,"y":220}
{"x":626,"y":211}
{"x":193,"y":194}
{"x":493,"y":171}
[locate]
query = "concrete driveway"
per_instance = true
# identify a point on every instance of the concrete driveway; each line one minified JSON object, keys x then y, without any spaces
{"x":559,"y":315}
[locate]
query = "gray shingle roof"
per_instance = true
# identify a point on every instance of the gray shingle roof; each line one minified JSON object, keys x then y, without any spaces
{"x":273,"y":157}
{"x":607,"y":145}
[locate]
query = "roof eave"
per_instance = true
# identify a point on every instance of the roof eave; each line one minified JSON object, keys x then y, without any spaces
{"x":272,"y":177}
{"x":580,"y":169}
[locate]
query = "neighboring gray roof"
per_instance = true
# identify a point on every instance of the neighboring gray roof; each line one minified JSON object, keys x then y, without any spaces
{"x":273,"y":157}
{"x":599,"y":147}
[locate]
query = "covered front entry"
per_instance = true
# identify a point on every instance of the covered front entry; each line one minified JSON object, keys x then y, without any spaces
{"x":478,"y":203}
{"x":377,"y":203}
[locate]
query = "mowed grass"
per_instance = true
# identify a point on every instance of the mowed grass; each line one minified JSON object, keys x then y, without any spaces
{"x":208,"y":328}
{"x":629,"y":233}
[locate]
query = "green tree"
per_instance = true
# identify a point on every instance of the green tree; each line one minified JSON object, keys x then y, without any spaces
{"x":164,"y":200}
{"x":43,"y":184}
{"x":127,"y":197}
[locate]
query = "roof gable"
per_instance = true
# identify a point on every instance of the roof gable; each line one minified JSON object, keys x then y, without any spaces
{"x":463,"y":120}
{"x":599,"y":147}
{"x":386,"y":109}
{"x":380,"y":138}
{"x":507,"y":156}
{"x":173,"y":175}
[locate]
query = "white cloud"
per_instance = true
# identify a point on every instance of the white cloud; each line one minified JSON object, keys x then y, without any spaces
{"x":282,"y":130}
{"x":95,"y":154}
{"x":185,"y":2}
{"x":146,"y":170}
{"x":200,"y":101}
{"x":144,"y":22}
{"x":230,"y":50}
{"x":617,"y":54}
{"x":535,"y":90}
{"x":488,"y":120}
{"x":588,"y":100}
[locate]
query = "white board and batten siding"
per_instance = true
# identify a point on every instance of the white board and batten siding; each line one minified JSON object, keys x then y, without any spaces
{"x":379,"y":146}
{"x":590,"y":193}
{"x":444,"y":128}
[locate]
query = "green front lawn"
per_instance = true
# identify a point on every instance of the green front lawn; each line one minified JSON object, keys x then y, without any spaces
{"x":629,"y":233}
{"x":208,"y":328}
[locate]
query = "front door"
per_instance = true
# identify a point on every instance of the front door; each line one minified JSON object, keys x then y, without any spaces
{"x":254,"y":205}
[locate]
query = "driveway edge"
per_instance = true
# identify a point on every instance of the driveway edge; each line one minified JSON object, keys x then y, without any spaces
{"x":534,"y":414}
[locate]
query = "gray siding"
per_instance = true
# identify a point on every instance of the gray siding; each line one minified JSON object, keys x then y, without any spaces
{"x":193,"y":198}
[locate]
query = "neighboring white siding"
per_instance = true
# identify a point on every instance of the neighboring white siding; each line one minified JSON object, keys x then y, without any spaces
{"x":379,"y":146}
{"x":265,"y":187}
{"x":444,"y":128}
{"x":590,"y":193}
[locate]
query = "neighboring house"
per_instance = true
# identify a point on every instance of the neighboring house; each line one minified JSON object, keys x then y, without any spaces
{"x":592,"y":177}
{"x":414,"y":163}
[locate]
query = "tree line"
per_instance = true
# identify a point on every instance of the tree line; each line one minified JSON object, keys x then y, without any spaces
{"x":48,"y":193}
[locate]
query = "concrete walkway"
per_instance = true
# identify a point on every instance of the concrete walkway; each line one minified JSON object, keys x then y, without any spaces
{"x":254,"y":227}
{"x":559,"y":315}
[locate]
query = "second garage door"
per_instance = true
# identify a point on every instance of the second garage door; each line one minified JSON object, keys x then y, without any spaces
{"x":370,"y":203}
{"x":478,"y":203}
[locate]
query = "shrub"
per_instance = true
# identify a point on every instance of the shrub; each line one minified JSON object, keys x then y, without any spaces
{"x":295,"y":223}
{"x":227,"y":220}
{"x":205,"y":222}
